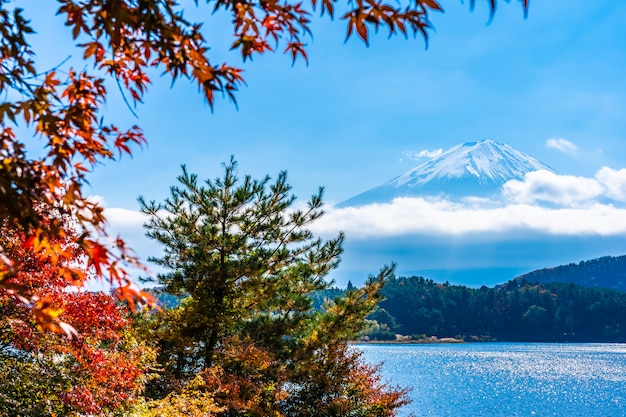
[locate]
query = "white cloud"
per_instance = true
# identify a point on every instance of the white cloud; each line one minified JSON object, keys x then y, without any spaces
{"x":120,"y":219}
{"x":614,"y":182}
{"x":124,"y":219}
{"x":423,"y":154}
{"x":406,"y":216}
{"x":562,"y":145}
{"x":577,"y":206}
{"x":546,"y":186}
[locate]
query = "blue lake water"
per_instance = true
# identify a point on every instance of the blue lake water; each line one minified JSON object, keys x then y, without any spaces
{"x":507,"y":379}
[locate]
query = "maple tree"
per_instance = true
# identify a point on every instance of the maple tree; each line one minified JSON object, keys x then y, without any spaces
{"x":124,"y":39}
{"x":245,"y":332}
{"x":99,"y":370}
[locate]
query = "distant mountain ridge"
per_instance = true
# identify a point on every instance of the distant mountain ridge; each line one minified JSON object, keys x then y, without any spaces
{"x":607,"y":272}
{"x":470,"y":169}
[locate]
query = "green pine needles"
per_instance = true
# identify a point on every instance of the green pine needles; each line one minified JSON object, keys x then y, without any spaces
{"x":246,"y":334}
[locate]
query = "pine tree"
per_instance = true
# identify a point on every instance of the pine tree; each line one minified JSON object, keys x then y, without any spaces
{"x":246,"y":333}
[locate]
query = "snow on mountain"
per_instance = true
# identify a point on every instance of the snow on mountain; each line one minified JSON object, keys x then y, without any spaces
{"x":470,"y":169}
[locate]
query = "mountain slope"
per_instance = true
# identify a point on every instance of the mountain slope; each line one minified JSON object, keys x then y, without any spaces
{"x":606,"y":272}
{"x":469,"y":169}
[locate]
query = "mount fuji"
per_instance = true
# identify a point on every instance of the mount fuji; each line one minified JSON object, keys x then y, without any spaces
{"x":469,"y":169}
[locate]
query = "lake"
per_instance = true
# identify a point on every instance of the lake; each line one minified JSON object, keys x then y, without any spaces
{"x":507,"y":379}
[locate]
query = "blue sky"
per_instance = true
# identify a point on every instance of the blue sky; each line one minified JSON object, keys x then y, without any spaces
{"x":551,"y":85}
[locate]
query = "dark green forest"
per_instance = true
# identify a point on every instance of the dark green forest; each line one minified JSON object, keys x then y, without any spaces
{"x":516,"y":311}
{"x":606,"y":272}
{"x":519,"y":310}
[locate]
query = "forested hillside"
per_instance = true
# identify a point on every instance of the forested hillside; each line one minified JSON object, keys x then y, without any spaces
{"x":606,"y":272}
{"x":516,"y":311}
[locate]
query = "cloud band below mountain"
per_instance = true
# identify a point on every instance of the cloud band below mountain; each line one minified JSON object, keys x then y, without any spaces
{"x":406,"y":216}
{"x":544,"y":202}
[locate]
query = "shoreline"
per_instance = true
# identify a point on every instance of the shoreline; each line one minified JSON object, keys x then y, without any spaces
{"x":401,"y":341}
{"x":451,"y":340}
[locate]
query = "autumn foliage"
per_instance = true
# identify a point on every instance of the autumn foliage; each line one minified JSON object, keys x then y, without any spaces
{"x":63,"y":111}
{"x":99,"y":369}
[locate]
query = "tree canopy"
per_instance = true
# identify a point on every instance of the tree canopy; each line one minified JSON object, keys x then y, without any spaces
{"x":246,"y":329}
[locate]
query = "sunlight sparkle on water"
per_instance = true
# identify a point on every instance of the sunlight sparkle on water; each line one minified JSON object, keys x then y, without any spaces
{"x":507,"y":379}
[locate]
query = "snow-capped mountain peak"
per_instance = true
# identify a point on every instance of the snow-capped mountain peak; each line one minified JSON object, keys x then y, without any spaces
{"x":469,"y":169}
{"x":487,"y":160}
